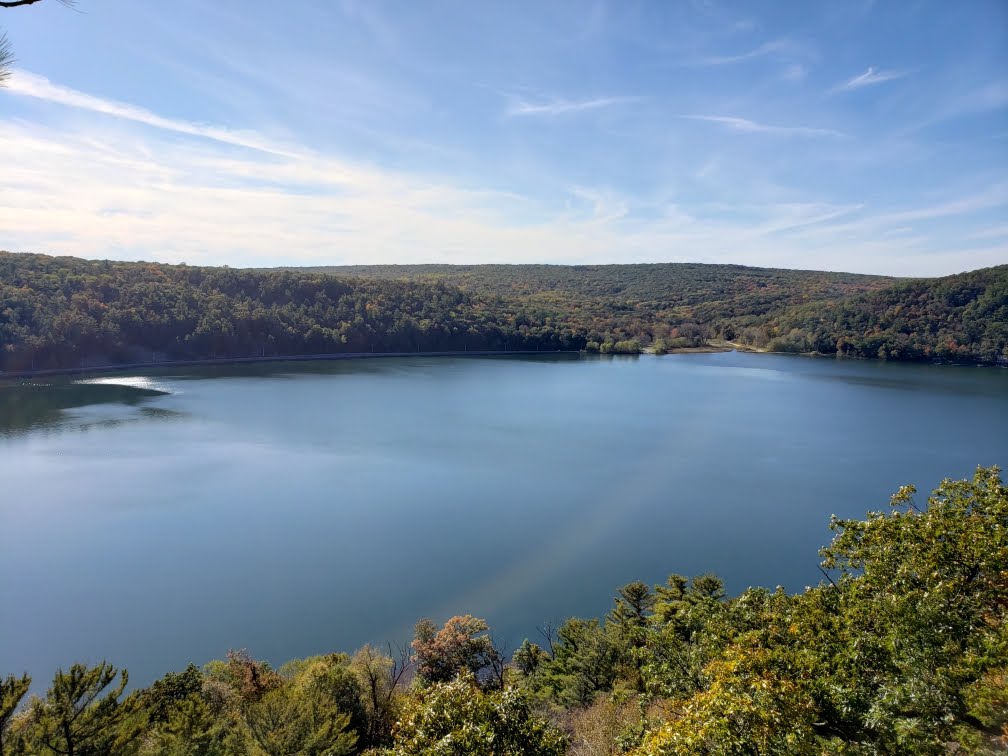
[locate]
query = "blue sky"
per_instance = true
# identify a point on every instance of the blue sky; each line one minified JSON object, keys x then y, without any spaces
{"x":859,"y":136}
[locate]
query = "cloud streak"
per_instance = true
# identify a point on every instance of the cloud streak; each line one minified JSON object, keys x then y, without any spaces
{"x":747,"y":126}
{"x":31,"y":85}
{"x":562,"y":106}
{"x":129,"y":183}
{"x":774,"y":47}
{"x":869,"y":78}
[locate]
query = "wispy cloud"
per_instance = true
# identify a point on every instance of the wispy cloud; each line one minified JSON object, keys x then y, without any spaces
{"x":774,"y":47}
{"x":129,"y":183}
{"x":869,"y":78}
{"x":992,"y":197}
{"x":563,"y":106}
{"x":892,"y":222}
{"x":39,"y":87}
{"x":753,"y":127}
{"x":606,"y":206}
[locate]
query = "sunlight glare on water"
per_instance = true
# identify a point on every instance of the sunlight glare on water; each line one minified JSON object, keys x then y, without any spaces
{"x":130,"y":381}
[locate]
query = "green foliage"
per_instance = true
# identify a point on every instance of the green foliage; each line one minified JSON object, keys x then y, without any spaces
{"x":584,"y":663}
{"x":920,"y":610}
{"x":628,"y":622}
{"x":12,"y":690}
{"x":633,"y":605}
{"x":65,"y":312}
{"x":903,"y":650}
{"x":961,"y":318}
{"x":528,"y":658}
{"x":75,"y":718}
{"x":749,"y":704}
{"x":329,"y":678}
{"x":456,"y":717}
{"x":162,"y":696}
{"x":189,"y":728}
{"x":378,"y":677}
{"x":299,"y":720}
{"x":626,"y":346}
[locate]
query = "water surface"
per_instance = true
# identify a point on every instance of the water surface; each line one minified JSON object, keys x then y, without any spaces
{"x":299,"y":508}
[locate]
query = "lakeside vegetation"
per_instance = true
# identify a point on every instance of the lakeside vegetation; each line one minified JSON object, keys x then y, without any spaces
{"x":902,"y":648}
{"x":61,"y":312}
{"x":959,"y":318}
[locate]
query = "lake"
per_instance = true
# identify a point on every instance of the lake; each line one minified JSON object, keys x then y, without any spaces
{"x":299,"y":508}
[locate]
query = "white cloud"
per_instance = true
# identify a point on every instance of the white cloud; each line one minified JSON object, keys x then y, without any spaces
{"x":745,"y":125}
{"x":774,"y":47}
{"x":106,"y":184}
{"x":869,"y":78}
{"x":562,"y":106}
{"x":32,"y":85}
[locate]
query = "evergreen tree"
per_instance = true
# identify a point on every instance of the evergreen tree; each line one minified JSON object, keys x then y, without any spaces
{"x":77,"y":720}
{"x":12,"y":690}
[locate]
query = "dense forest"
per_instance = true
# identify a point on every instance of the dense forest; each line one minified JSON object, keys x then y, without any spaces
{"x":961,"y":318}
{"x":61,"y":312}
{"x":902,"y":648}
{"x":58,"y":312}
{"x":676,"y":304}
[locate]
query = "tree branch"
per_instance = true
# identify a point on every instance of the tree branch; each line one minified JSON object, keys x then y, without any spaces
{"x":15,"y":3}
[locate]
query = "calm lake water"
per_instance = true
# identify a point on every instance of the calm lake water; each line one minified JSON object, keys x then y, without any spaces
{"x":293,"y":509}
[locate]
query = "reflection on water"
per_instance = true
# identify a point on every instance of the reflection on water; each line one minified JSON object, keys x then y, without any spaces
{"x":107,"y":423}
{"x":145,"y":382}
{"x":36,"y":406}
{"x":967,"y":381}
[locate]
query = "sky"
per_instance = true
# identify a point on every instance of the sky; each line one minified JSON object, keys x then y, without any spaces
{"x":856,"y":136}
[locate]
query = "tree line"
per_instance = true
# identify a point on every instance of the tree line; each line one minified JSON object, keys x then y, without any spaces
{"x":902,"y":648}
{"x":959,"y":318}
{"x":66,"y":312}
{"x":61,"y":312}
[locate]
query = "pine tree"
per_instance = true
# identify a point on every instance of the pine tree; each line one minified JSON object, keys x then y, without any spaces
{"x":12,"y":690}
{"x":74,"y":720}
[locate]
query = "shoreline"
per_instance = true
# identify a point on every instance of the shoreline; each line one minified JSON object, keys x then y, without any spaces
{"x":285,"y":358}
{"x":710,"y":348}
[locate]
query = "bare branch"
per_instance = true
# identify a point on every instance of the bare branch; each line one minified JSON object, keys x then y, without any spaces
{"x":15,"y":3}
{"x":497,"y":660}
{"x":548,"y":631}
{"x":827,"y":576}
{"x":402,"y":662}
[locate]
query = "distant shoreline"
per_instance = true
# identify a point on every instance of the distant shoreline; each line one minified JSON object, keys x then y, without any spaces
{"x":285,"y":358}
{"x":710,"y":348}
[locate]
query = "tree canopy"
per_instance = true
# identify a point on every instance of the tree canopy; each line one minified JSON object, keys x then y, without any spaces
{"x":71,"y":313}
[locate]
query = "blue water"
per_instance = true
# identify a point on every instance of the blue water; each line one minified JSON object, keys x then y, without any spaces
{"x":292,"y":509}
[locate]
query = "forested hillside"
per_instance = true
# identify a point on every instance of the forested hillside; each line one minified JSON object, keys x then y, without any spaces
{"x":960,"y":318}
{"x":60,"y":312}
{"x":901,"y":649}
{"x":679,"y":303}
